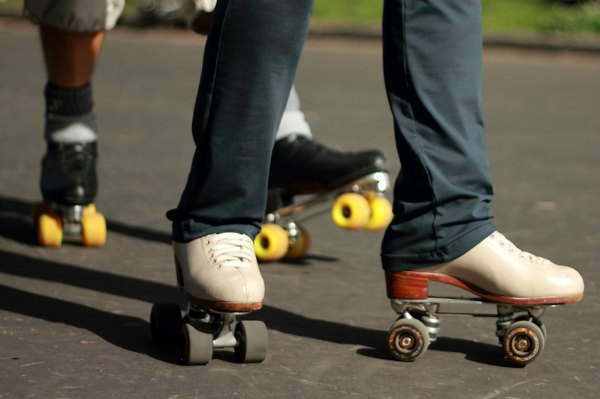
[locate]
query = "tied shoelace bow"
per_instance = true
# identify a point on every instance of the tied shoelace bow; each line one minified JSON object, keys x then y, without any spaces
{"x":506,"y":243}
{"x":231,"y":250}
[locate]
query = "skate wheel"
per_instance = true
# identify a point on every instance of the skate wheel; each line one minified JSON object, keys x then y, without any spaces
{"x":89,"y":210}
{"x":196,"y":346}
{"x":381,"y":213}
{"x":50,"y":230}
{"x":523,"y":342}
{"x":165,"y":323}
{"x":300,"y":247}
{"x":271,"y":243}
{"x":535,"y":321}
{"x":408,"y":339}
{"x":39,"y":209}
{"x":350,"y":211}
{"x":93,"y":230}
{"x":252,"y":341}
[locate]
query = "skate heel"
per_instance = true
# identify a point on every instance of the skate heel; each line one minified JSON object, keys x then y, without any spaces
{"x":406,"y":285}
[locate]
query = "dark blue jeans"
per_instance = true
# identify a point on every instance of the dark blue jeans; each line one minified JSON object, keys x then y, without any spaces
{"x":432,"y":66}
{"x":250,"y":60}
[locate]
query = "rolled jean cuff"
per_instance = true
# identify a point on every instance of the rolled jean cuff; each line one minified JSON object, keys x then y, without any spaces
{"x":189,"y":230}
{"x":403,"y":262}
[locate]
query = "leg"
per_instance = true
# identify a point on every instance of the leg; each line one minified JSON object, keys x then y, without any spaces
{"x":250,"y":60}
{"x":70,"y":56}
{"x":293,"y":121}
{"x":71,"y":34}
{"x":432,"y":65}
{"x":198,"y":14}
{"x":70,"y":129}
{"x":301,"y":165}
{"x":442,"y":225}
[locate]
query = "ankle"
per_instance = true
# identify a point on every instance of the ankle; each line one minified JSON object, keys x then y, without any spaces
{"x":69,"y":114}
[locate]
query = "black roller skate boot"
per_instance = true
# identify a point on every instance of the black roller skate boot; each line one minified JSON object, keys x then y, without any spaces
{"x":69,"y":186}
{"x":305,"y":175}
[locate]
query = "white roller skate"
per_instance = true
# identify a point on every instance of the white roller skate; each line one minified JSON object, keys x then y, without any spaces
{"x":220,"y":277}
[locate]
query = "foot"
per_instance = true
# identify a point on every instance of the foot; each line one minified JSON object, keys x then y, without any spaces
{"x":220,"y":271}
{"x":69,"y":173}
{"x":300,"y":165}
{"x":497,"y":270}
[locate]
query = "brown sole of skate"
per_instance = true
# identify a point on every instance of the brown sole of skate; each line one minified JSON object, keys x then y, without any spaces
{"x":415,"y":286}
{"x":226,"y":307}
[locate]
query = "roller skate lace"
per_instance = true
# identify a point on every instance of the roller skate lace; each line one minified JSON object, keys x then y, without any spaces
{"x":512,"y":248}
{"x":231,"y":250}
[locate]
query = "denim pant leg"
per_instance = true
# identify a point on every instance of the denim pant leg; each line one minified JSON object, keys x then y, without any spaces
{"x":432,"y":67}
{"x":249,"y":64}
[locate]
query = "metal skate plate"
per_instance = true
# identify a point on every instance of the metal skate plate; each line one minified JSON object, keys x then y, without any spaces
{"x":71,"y":216}
{"x":433,"y":305}
{"x":221,"y":324}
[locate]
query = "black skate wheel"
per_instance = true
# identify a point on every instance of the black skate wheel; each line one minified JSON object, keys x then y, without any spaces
{"x":408,"y":339}
{"x":523,"y":342}
{"x":252,"y":341}
{"x":165,"y":323}
{"x":196,"y":347}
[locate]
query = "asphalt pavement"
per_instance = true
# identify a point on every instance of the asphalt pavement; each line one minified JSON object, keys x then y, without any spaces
{"x":74,"y":320}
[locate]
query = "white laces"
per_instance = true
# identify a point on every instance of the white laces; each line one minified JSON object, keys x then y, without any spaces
{"x":510,"y":247}
{"x":231,"y":250}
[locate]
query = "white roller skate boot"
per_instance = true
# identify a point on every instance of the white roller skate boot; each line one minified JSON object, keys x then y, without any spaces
{"x":220,"y":277}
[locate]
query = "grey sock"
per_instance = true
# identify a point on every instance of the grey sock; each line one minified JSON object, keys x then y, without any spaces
{"x":69,"y":115}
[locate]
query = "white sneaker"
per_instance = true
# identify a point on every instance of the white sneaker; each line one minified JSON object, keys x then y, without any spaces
{"x":220,"y":271}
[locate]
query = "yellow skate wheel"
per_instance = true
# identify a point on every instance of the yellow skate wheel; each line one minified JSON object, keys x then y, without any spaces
{"x":89,"y":210}
{"x":381,"y":213}
{"x":299,"y":248}
{"x":93,"y":230}
{"x":271,"y":243}
{"x":49,"y":230}
{"x":350,"y":211}
{"x":39,"y":209}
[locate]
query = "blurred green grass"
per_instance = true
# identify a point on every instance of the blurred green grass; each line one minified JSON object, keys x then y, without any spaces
{"x":499,"y":16}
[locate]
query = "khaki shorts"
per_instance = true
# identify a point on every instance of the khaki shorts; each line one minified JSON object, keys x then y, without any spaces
{"x":75,"y":15}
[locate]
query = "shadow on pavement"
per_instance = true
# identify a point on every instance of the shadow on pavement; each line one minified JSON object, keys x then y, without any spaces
{"x":15,"y":223}
{"x":119,"y":329}
{"x":130,"y":333}
{"x":15,"y":220}
{"x":479,"y":352}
